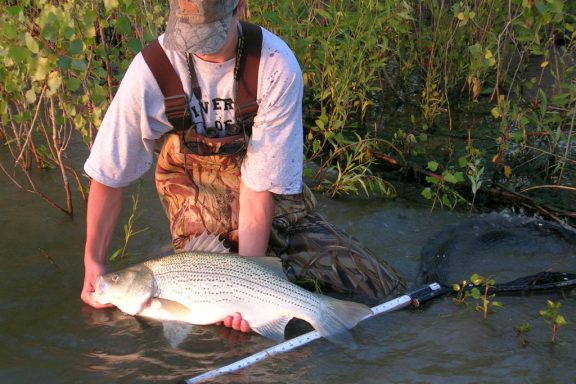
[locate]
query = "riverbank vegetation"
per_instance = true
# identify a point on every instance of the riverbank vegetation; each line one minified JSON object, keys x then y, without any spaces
{"x":474,"y":102}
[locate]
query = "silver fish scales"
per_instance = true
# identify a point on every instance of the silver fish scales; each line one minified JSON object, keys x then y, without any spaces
{"x":205,"y":287}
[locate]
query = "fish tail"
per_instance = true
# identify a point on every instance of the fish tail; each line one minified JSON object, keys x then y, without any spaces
{"x":336,"y":317}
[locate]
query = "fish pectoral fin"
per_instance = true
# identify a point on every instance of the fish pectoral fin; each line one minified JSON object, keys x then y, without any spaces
{"x":176,"y":332}
{"x":273,"y":329}
{"x":164,"y":309}
{"x":174,"y":306}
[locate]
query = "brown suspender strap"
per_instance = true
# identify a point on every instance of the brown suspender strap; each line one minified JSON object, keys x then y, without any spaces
{"x":247,"y":91}
{"x":176,"y":100}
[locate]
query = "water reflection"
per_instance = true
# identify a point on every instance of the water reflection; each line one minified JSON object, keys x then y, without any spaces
{"x":137,"y":350}
{"x":47,"y":335}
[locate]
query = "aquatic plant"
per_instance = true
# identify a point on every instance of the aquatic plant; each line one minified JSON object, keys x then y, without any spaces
{"x":442,"y":58}
{"x":353,"y":170}
{"x":130,"y":226}
{"x":342,"y":47}
{"x":552,"y":316}
{"x":441,"y":190}
{"x":521,"y":330}
{"x":60,"y":63}
{"x":473,"y":164}
{"x":483,"y":294}
{"x":480,"y":291}
{"x":461,"y":292}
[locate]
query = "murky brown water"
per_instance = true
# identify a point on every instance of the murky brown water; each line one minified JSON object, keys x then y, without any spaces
{"x":47,"y":335}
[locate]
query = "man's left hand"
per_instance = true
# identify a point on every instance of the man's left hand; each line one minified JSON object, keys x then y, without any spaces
{"x":237,"y":323}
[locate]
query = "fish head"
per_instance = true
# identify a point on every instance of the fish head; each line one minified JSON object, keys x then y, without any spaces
{"x":130,"y":289}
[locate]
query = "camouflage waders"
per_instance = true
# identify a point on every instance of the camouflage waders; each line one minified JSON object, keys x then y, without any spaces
{"x":202,"y":193}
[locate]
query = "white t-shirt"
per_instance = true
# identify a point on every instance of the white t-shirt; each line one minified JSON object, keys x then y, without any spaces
{"x":124,"y":146}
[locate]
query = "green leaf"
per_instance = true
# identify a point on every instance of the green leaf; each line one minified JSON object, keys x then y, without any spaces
{"x":14,"y":11}
{"x":135,"y":45}
{"x":475,"y":49}
{"x":323,"y":13}
{"x":316,"y":146}
{"x":79,"y":121}
{"x":123,"y":25}
{"x":497,"y":304}
{"x":30,"y":96}
{"x":64,"y":62}
{"x":41,"y":68}
{"x":9,"y":31}
{"x":475,"y":293}
{"x":69,"y":33}
{"x":19,"y":53}
{"x":54,"y":82}
{"x":110,"y":5}
{"x":427,"y":193}
{"x":115,"y":254}
{"x":76,"y":47}
{"x":522,"y":328}
{"x":476,"y":279}
{"x":495,"y":112}
{"x":79,"y":65}
{"x":432,"y":165}
{"x":50,"y":31}
{"x":459,"y":177}
{"x":561,"y":321}
{"x":73,"y":84}
{"x":450,"y":178}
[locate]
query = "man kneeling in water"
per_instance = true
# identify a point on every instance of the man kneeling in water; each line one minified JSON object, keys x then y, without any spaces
{"x":226,"y":172}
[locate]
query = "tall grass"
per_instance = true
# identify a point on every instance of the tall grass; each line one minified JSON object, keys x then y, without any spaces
{"x":509,"y":60}
{"x":428,"y":62}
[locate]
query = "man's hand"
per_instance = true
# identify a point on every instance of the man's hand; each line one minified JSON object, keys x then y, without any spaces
{"x":91,"y":273}
{"x":236,"y":322}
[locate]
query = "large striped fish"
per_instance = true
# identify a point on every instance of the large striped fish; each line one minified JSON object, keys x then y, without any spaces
{"x":205,"y":287}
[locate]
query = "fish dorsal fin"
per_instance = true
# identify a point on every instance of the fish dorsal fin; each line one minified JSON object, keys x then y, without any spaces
{"x":205,"y":242}
{"x":273,"y":329}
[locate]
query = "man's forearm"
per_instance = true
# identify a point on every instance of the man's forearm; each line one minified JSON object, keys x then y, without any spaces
{"x":104,"y":205}
{"x":255,"y":221}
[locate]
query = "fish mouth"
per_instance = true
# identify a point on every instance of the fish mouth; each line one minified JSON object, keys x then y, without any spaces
{"x":147,"y":303}
{"x":99,"y":288}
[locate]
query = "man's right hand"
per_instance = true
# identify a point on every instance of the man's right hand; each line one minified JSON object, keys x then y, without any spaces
{"x":91,"y":273}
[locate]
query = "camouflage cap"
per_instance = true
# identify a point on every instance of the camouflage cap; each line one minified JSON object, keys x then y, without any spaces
{"x":198,"y":26}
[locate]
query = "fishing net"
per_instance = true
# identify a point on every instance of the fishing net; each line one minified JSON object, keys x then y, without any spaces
{"x":503,"y":247}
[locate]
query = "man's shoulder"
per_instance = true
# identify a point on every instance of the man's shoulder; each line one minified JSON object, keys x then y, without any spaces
{"x":277,"y":53}
{"x":271,"y":40}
